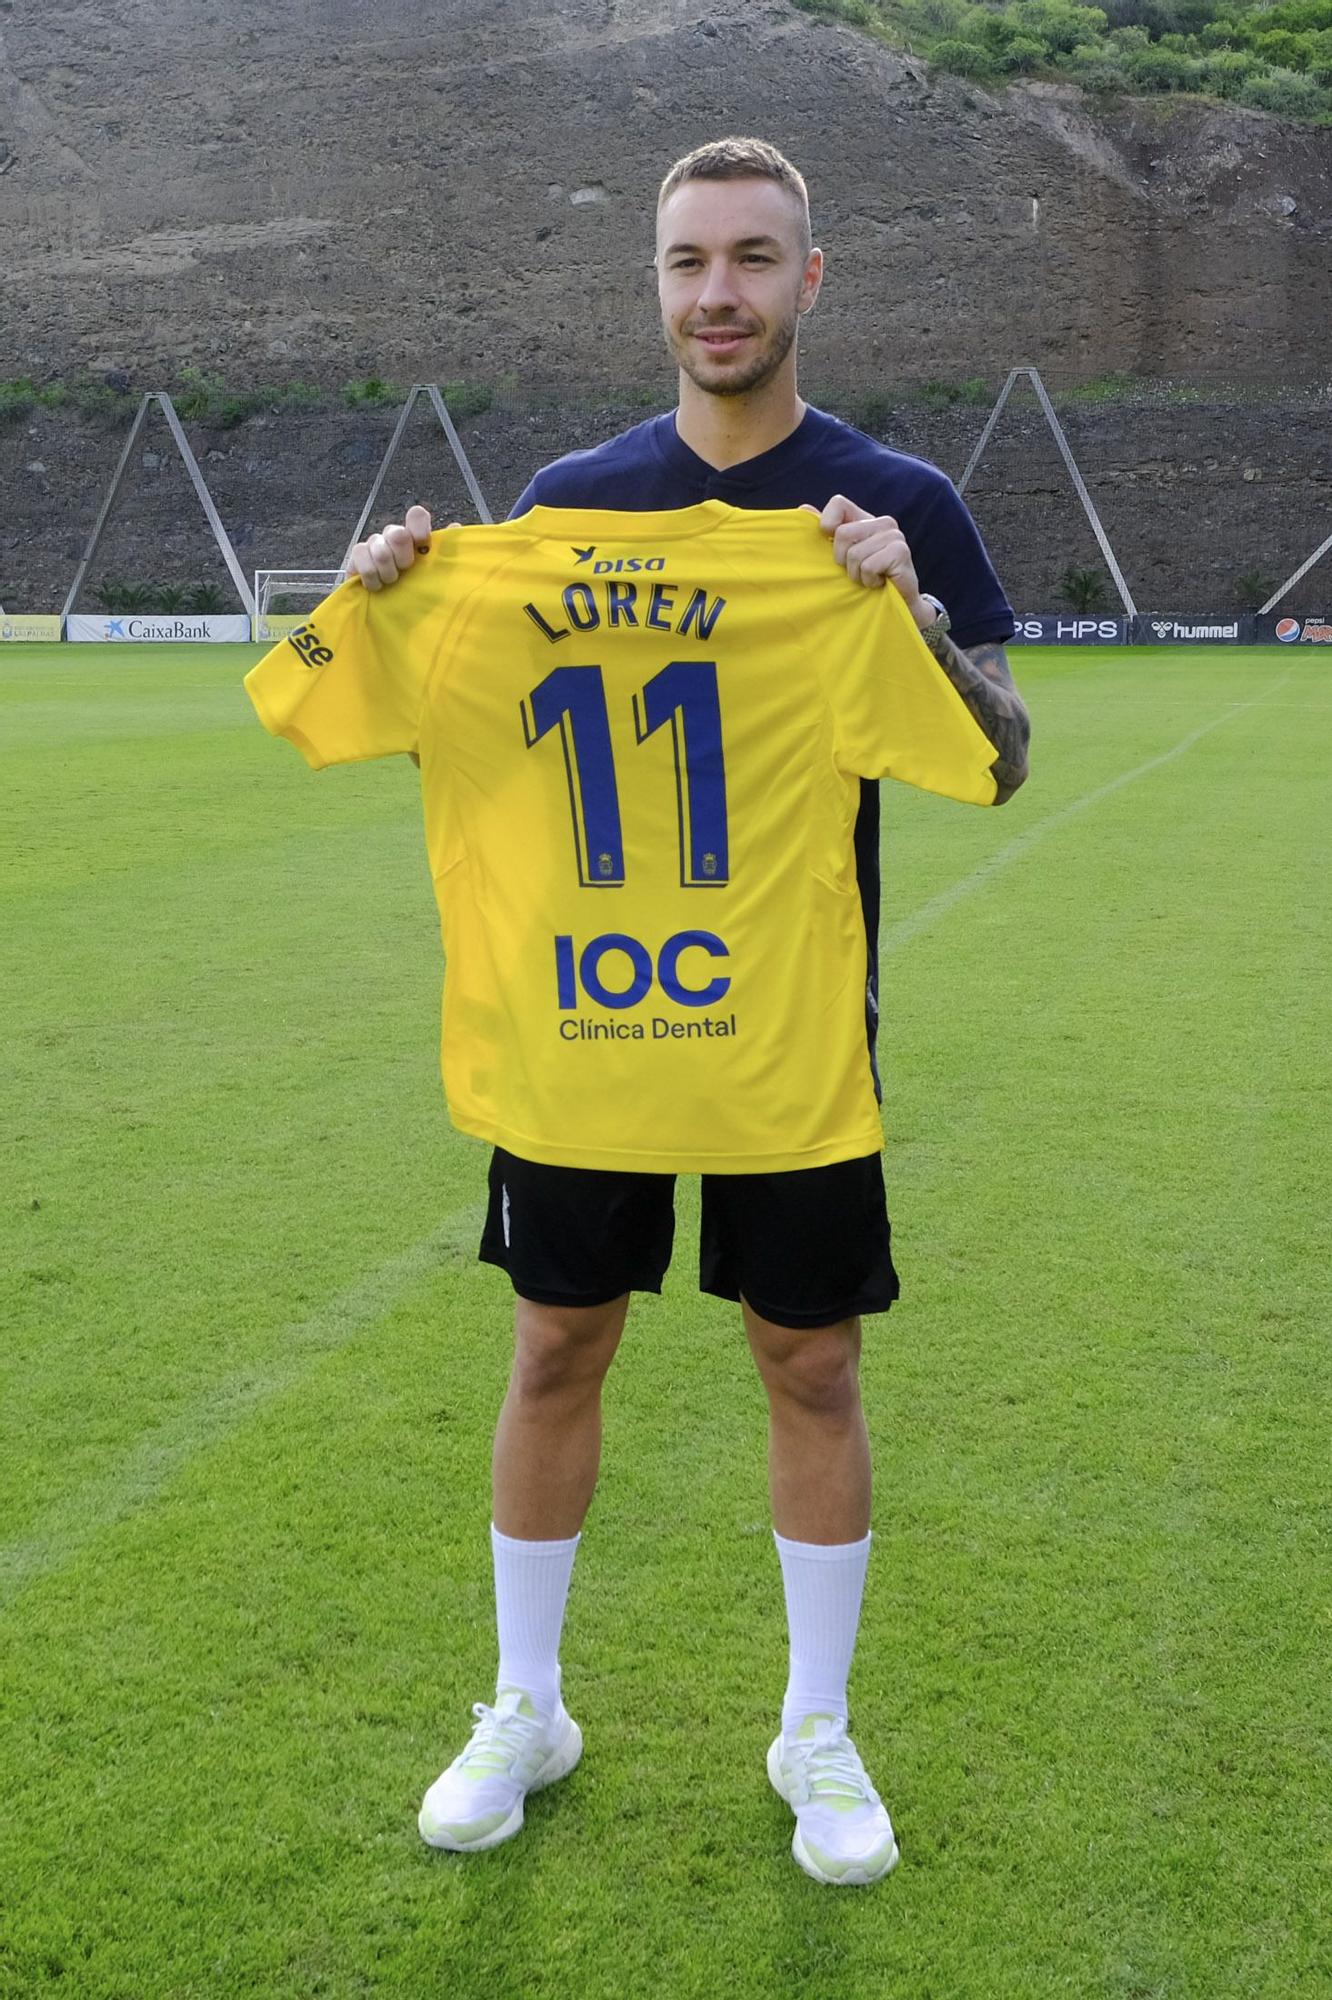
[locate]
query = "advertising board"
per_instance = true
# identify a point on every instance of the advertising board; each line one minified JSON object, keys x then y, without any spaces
{"x":26,"y":626}
{"x":136,"y":629}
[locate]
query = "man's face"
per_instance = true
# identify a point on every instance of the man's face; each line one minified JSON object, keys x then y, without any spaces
{"x":733,"y":276}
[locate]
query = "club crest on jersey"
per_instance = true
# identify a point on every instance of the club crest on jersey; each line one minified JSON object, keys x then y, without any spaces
{"x":310,"y":647}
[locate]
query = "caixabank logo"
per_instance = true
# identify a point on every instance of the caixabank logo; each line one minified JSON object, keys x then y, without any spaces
{"x":1304,"y":631}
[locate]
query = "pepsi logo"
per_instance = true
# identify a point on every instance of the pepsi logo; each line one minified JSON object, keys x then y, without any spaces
{"x":1287,"y":629}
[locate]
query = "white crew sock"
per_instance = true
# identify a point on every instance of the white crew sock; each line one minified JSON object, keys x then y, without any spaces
{"x":824,"y":1585}
{"x":531,"y":1589}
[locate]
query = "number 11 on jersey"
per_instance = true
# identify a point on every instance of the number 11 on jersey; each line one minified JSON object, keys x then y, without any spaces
{"x":683,"y":694}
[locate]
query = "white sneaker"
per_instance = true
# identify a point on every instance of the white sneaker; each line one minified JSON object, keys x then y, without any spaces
{"x":478,"y":1801}
{"x":842,"y":1832}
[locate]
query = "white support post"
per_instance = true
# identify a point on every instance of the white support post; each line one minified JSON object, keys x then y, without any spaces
{"x":191,"y":464}
{"x":431,"y":391}
{"x":1291,"y":581}
{"x":1079,"y":484}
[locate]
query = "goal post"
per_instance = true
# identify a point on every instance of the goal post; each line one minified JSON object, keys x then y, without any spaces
{"x":284,"y":598}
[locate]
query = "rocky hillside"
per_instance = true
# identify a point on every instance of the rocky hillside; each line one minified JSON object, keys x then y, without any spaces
{"x":465,"y":190}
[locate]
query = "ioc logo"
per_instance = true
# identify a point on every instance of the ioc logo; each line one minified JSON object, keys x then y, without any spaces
{"x":585,"y":971}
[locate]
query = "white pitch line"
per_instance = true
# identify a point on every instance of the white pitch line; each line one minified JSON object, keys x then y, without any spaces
{"x":74,"y":1520}
{"x":909,"y":927}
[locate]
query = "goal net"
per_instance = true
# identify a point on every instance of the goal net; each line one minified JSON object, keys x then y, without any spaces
{"x":284,"y":598}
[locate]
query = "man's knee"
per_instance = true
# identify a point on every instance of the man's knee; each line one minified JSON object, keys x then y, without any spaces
{"x":816,"y":1368}
{"x":558,"y":1349}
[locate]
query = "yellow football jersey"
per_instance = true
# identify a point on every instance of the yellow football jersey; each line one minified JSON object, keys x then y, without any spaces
{"x":641,"y":737}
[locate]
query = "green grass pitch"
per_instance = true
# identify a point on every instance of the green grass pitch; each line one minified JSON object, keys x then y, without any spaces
{"x":249,"y":1371}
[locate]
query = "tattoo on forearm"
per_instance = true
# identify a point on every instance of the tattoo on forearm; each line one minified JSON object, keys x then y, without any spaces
{"x":983,"y":680}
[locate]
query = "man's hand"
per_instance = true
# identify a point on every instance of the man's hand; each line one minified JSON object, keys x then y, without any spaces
{"x":873,"y":550}
{"x":382,"y":559}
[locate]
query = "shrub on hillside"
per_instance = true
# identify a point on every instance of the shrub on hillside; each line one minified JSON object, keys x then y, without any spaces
{"x":964,"y":59}
{"x":1160,"y":68}
{"x":1226,"y":71}
{"x":1284,"y":92}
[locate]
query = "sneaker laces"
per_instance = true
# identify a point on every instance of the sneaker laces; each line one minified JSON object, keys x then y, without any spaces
{"x":499,"y":1737}
{"x":828,"y":1769}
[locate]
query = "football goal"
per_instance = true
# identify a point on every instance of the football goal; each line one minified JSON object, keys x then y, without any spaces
{"x":284,"y":598}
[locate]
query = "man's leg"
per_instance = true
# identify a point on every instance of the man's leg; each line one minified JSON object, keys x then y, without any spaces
{"x":548,"y":1438}
{"x":818,"y":1447}
{"x":819,"y":1477}
{"x":819,"y":1472}
{"x":547,"y":1450}
{"x":546,"y":1457}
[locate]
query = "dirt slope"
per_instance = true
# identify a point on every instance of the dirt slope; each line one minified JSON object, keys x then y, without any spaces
{"x":464,"y":190}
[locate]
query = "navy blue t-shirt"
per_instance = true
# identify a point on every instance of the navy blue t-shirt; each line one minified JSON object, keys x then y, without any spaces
{"x":651,"y":467}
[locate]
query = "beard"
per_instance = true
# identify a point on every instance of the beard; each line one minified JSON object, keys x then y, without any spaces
{"x":760,"y":368}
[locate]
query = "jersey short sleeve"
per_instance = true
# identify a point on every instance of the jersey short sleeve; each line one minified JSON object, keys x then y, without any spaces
{"x":895,"y":712}
{"x":348,"y":684}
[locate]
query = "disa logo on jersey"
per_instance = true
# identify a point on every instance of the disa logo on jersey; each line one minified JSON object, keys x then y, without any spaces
{"x":309,"y":646}
{"x":618,"y":565}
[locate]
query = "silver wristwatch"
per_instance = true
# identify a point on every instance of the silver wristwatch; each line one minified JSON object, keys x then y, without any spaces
{"x":935,"y":635}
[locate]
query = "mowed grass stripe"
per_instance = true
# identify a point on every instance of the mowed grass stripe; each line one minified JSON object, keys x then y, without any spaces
{"x":1090,"y":1671}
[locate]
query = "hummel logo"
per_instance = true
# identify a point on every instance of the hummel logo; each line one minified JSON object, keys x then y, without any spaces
{"x":585,"y":555}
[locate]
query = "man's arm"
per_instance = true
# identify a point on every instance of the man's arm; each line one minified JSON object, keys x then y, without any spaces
{"x":874,"y":551}
{"x":982,"y":677}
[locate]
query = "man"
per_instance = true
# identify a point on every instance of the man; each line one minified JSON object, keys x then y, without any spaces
{"x":807,"y":1252}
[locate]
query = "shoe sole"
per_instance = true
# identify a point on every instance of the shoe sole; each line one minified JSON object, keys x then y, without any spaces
{"x":854,"y":1878}
{"x":562,"y":1759}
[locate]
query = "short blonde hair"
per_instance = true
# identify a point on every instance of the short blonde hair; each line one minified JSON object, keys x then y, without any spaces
{"x":739,"y":160}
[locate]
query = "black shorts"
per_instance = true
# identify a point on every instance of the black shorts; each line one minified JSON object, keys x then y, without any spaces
{"x":805,"y":1249}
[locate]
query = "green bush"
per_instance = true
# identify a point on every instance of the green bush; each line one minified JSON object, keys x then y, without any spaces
{"x":1158,"y":68}
{"x":964,"y":59}
{"x":1252,"y":590}
{"x":989,"y":29}
{"x":16,"y":399}
{"x":1226,"y":71}
{"x":873,"y":411}
{"x":1282,"y":49}
{"x":114,"y":594}
{"x":202,"y":397}
{"x":92,"y":398}
{"x":1284,"y":92}
{"x":469,"y":399}
{"x":1022,"y":55}
{"x":1058,"y":25}
{"x":944,"y":395}
{"x":1083,"y":589}
{"x":374,"y":392}
{"x":1094,"y":70}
